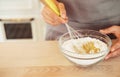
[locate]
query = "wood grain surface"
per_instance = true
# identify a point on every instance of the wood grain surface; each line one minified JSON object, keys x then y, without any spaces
{"x":44,"y":59}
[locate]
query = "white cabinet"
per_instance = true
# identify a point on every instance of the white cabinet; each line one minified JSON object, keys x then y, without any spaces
{"x":1,"y":33}
{"x":22,"y":9}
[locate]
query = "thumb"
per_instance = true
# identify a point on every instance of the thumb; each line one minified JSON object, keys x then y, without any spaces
{"x":114,"y":29}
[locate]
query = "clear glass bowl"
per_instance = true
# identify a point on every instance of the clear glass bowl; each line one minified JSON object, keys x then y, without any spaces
{"x":85,"y":60}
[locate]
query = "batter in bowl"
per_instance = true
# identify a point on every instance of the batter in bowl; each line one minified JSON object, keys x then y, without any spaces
{"x":86,"y":45}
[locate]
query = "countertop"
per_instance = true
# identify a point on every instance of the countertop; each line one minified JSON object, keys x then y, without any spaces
{"x":44,"y":59}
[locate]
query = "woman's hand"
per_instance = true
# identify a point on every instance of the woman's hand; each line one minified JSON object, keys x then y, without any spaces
{"x":52,"y":18}
{"x":115,"y":49}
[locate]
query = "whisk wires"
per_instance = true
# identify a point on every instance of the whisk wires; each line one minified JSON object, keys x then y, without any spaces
{"x":73,"y":33}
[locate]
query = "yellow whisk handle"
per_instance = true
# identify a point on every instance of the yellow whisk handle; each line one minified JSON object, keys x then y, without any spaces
{"x":52,"y":5}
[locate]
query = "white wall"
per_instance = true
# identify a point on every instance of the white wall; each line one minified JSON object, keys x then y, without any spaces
{"x":18,"y":8}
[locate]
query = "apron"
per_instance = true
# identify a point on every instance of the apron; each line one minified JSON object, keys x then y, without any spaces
{"x":87,"y":14}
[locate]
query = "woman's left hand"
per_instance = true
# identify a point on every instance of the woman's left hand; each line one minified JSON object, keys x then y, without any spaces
{"x":115,"y":49}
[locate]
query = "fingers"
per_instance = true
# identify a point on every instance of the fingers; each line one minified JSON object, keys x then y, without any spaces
{"x":50,"y":17}
{"x":113,"y":54}
{"x":50,"y":21}
{"x":115,"y":50}
{"x":62,"y":11}
{"x":115,"y":46}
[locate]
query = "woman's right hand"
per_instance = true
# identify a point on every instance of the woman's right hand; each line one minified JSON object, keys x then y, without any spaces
{"x":52,"y":18}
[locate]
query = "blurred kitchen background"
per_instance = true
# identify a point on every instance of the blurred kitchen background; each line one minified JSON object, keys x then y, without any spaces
{"x":20,"y":20}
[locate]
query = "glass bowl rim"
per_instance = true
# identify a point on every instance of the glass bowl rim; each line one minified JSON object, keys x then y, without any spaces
{"x":108,"y":38}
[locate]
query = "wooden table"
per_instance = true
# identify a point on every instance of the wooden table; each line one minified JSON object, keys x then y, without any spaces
{"x":44,"y":59}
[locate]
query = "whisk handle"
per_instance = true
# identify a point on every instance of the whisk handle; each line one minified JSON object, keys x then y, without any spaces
{"x":51,"y":4}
